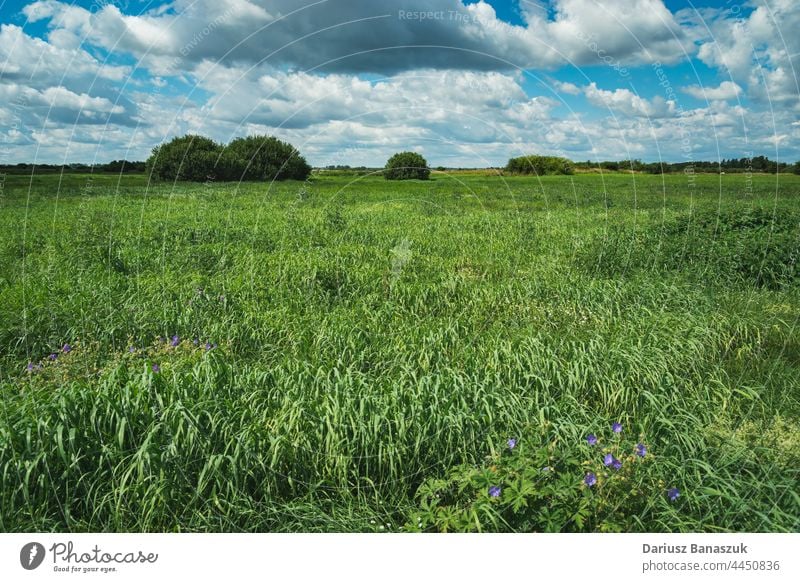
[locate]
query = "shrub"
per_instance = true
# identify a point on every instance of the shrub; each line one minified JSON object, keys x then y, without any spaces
{"x":196,"y":158}
{"x":191,"y":157}
{"x":262,"y":157}
{"x":406,"y":166}
{"x":539,"y":165}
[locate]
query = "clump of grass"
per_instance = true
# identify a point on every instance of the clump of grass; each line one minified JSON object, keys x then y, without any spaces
{"x":750,"y":245}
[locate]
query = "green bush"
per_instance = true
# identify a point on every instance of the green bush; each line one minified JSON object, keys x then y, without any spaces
{"x":190,"y":157}
{"x":406,"y":166}
{"x":256,"y":158}
{"x":539,"y":165}
{"x":262,"y":157}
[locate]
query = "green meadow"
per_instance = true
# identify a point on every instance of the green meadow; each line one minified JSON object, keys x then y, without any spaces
{"x":353,"y":354}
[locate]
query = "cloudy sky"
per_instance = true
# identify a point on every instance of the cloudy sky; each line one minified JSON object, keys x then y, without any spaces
{"x":351,"y":81}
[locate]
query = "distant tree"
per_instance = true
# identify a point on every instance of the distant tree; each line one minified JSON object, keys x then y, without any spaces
{"x":406,"y":166}
{"x":796,"y":167}
{"x":539,"y":165}
{"x":122,"y":166}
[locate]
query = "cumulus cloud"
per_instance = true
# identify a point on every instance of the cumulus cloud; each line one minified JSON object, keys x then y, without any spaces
{"x":39,"y":62}
{"x":726,"y":90}
{"x":352,"y":81}
{"x":628,"y":103}
{"x":377,"y":35}
{"x":759,"y":50}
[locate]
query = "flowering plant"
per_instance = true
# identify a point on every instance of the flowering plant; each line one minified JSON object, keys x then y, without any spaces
{"x":602,"y":483}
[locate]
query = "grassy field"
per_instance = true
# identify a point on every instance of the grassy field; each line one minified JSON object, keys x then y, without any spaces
{"x":352,"y":354}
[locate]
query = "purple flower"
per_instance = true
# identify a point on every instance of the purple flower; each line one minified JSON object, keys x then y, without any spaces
{"x":673,"y":494}
{"x":195,"y":341}
{"x":175,"y":341}
{"x":495,"y":491}
{"x":616,"y":427}
{"x":52,"y":357}
{"x":591,"y":439}
{"x":608,"y":459}
{"x":590,"y":479}
{"x":512,"y":443}
{"x":210,"y":346}
{"x":156,"y":368}
{"x":66,"y":349}
{"x":617,"y":464}
{"x":641,"y":450}
{"x":131,"y":349}
{"x":29,"y":367}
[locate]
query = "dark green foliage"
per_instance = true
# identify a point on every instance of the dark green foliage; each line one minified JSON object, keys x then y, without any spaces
{"x":199,"y":159}
{"x":539,"y":165}
{"x":190,"y":157}
{"x":406,"y":166}
{"x":261,"y":157}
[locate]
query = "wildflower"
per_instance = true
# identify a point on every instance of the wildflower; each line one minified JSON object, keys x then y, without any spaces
{"x":616,"y":464}
{"x":52,"y":357}
{"x":29,"y":367}
{"x":196,"y":341}
{"x":673,"y":494}
{"x":608,"y":459}
{"x":66,"y":349}
{"x":175,"y":341}
{"x":590,"y":479}
{"x":512,"y":443}
{"x":616,"y":427}
{"x":131,"y":349}
{"x":210,"y":346}
{"x":591,"y":439}
{"x":641,"y":450}
{"x":495,"y":491}
{"x":156,"y":368}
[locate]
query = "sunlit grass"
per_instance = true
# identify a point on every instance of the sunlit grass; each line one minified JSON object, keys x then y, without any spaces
{"x":343,"y":378}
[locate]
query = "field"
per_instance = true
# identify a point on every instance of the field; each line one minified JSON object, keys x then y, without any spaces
{"x":352,"y":354}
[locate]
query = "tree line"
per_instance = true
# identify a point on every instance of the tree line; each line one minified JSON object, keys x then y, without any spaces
{"x":734,"y":165}
{"x":265,"y":158}
{"x":115,"y":167}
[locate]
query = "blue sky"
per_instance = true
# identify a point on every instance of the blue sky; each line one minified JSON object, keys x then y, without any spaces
{"x":352,"y":81}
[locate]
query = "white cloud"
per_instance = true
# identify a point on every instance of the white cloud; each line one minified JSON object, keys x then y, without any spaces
{"x":760,"y":51}
{"x":250,"y":66}
{"x":377,"y":35}
{"x":726,"y":90}
{"x":628,"y":103}
{"x":40,"y":62}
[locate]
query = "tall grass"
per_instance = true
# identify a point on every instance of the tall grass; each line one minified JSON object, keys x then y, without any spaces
{"x":338,"y":381}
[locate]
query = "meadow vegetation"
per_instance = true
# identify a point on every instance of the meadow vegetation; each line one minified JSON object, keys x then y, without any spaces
{"x":348,"y":353}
